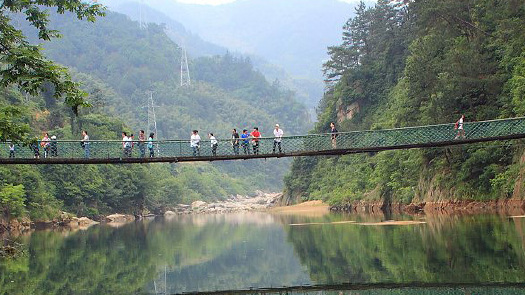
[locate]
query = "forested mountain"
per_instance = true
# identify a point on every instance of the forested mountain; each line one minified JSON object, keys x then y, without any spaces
{"x":291,"y":33}
{"x":308,"y":90}
{"x":407,"y":63}
{"x":286,"y":40}
{"x":226,"y":91}
{"x":195,"y":45}
{"x":118,"y":63}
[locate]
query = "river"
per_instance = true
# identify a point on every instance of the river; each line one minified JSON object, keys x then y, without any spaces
{"x":348,"y":254}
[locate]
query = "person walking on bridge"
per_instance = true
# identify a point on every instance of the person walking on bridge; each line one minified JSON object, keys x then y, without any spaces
{"x":11,"y":150}
{"x":235,"y":141}
{"x":126,"y":145}
{"x":132,"y":143}
{"x":45,"y":144}
{"x":245,"y":142}
{"x":214,"y":144}
{"x":459,"y":127}
{"x":333,"y":135}
{"x":142,"y":143}
{"x":85,"y":144}
{"x":195,"y":141}
{"x":278,"y":137}
{"x":150,"y":145}
{"x":54,"y":147}
{"x":256,"y":136}
{"x":36,"y":150}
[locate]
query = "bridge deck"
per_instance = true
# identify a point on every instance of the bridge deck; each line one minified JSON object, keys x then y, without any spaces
{"x":111,"y":152}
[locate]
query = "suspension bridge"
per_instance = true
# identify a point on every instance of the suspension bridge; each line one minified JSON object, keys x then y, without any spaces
{"x":111,"y":151}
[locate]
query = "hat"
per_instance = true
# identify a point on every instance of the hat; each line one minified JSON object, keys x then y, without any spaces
{"x":276,"y":125}
{"x":53,"y":137}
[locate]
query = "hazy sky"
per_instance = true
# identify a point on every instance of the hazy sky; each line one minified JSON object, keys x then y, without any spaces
{"x":218,"y":2}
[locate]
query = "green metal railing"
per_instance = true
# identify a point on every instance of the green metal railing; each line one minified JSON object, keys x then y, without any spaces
{"x":66,"y":151}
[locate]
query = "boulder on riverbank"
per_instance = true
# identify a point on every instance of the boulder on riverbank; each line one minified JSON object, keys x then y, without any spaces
{"x":81,"y":223}
{"x":14,"y":225}
{"x":197,"y":205}
{"x":119,"y":218}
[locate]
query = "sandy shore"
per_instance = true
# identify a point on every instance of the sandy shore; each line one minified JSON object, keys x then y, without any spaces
{"x":310,"y":208}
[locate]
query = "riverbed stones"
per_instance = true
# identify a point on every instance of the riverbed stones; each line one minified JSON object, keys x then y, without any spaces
{"x":120,"y":218}
{"x":80,"y":223}
{"x":198,"y":205}
{"x":235,"y":203}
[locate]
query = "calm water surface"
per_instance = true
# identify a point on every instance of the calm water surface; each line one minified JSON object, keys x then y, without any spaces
{"x":259,"y":250}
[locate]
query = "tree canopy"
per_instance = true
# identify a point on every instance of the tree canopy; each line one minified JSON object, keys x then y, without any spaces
{"x":23,"y":64}
{"x":408,"y":63}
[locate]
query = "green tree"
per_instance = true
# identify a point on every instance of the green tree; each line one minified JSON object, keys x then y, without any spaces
{"x":12,"y":200}
{"x":407,"y":63}
{"x":24,"y":65}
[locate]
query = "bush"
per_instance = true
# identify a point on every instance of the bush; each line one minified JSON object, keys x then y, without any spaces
{"x":12,"y":200}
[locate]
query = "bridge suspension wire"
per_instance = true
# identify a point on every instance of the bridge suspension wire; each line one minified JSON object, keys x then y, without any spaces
{"x":110,"y":151}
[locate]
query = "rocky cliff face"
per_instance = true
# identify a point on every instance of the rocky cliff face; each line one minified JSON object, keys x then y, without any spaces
{"x":519,"y":186}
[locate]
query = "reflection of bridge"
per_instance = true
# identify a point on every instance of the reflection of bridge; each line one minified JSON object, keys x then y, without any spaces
{"x":385,"y":288}
{"x":110,"y":151}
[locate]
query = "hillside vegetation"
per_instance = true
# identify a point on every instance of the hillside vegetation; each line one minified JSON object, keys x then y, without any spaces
{"x":117,"y":63}
{"x":408,"y":63}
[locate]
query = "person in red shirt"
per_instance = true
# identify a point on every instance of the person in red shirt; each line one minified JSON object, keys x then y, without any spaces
{"x":256,"y":135}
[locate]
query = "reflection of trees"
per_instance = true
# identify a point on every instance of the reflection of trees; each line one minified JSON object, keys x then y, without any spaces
{"x":425,"y":291}
{"x":228,"y":252}
{"x":223,"y":252}
{"x":102,"y":260}
{"x":466,"y":249}
{"x":263,"y":259}
{"x":216,"y":252}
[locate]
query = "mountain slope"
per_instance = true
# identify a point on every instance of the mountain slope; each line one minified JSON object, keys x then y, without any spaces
{"x":427,"y":62}
{"x":307,"y":89}
{"x":118,"y":63}
{"x":293,"y":33}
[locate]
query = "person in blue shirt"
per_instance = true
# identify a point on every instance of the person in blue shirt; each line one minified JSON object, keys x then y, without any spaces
{"x":245,"y":142}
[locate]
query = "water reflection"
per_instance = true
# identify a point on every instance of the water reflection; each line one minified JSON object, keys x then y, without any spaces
{"x":259,"y":250}
{"x":445,"y":250}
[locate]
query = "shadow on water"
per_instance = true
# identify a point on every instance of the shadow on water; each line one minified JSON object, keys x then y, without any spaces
{"x":260,"y":253}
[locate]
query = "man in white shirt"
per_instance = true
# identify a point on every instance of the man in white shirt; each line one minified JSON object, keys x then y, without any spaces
{"x":214,"y":144}
{"x":195,"y":143}
{"x":278,"y":134}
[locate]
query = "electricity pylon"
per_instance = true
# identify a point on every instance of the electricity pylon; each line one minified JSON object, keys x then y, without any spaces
{"x":184,"y":69}
{"x":141,"y":17}
{"x":152,"y":117}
